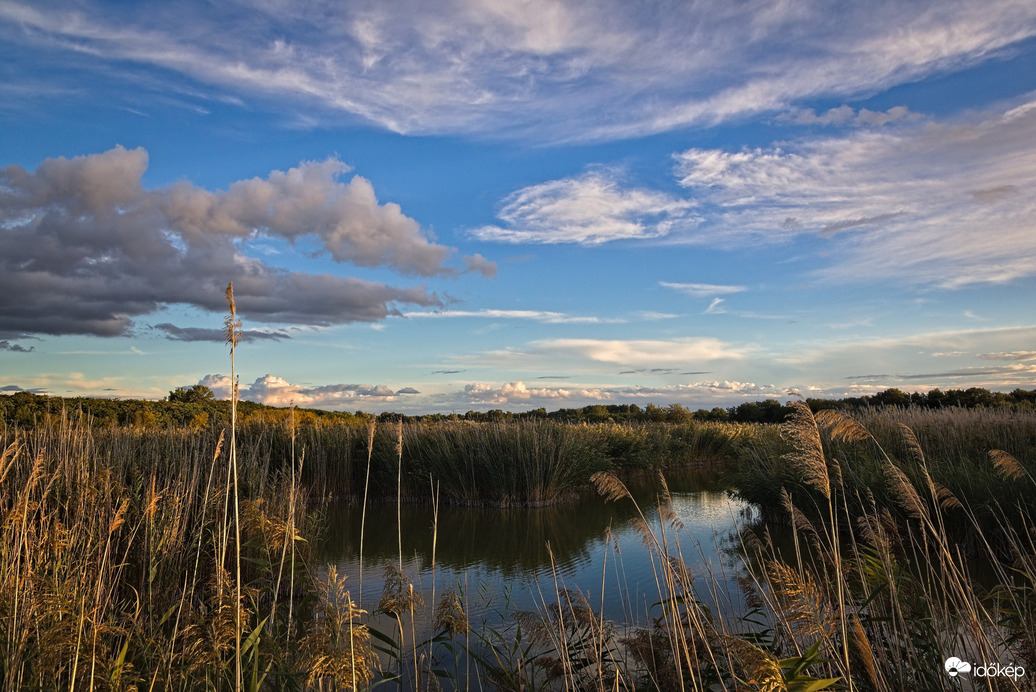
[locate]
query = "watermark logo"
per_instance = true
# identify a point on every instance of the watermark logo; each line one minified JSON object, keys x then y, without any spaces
{"x":954,"y":667}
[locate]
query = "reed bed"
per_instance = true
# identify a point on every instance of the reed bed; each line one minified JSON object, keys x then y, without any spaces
{"x":518,"y":463}
{"x":868,"y":590}
{"x":909,"y":542}
{"x":119,"y":569}
{"x":521,"y":463}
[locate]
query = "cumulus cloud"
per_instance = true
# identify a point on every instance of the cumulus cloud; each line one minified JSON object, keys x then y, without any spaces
{"x":482,"y":393}
{"x":694,"y":394}
{"x":84,"y":248}
{"x":590,"y":209}
{"x":307,"y":201}
{"x":276,"y":391}
{"x":948,"y":204}
{"x":545,"y":68}
{"x":479,"y":264}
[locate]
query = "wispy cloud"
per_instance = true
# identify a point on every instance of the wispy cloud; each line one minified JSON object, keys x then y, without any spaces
{"x":898,"y":361}
{"x":174,"y":333}
{"x":635,"y":352}
{"x":703,"y":290}
{"x":912,"y":204}
{"x":590,"y":209}
{"x":546,"y":68}
{"x":652,"y":316}
{"x":847,"y":115}
{"x":1012,"y":355}
{"x":969,"y":373}
{"x":641,"y":351}
{"x":544,"y":316}
{"x":715,"y":307}
{"x":915,"y":204}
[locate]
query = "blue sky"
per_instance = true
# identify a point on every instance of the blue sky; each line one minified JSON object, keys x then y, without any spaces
{"x":494,"y":204}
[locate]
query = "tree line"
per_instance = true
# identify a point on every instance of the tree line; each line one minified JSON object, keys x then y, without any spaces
{"x":197,"y":407}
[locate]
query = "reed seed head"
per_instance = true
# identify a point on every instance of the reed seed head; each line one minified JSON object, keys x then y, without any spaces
{"x":807,"y":453}
{"x":610,"y":487}
{"x":231,"y":325}
{"x":1006,"y":464}
{"x":841,"y":426}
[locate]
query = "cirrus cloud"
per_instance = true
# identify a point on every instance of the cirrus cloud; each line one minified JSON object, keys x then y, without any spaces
{"x":946,"y":204}
{"x":543,"y":69}
{"x":547,"y":353}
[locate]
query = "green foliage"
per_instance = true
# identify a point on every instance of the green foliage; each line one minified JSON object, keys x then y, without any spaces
{"x":191,"y":395}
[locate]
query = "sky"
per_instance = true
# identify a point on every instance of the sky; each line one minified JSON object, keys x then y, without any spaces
{"x":478,"y":204}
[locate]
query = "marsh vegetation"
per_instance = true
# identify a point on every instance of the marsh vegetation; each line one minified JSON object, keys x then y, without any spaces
{"x":902,"y":537}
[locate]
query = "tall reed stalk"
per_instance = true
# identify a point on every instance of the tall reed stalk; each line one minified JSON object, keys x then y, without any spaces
{"x":232,"y":326}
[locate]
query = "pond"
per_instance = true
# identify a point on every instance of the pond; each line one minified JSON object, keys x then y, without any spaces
{"x":507,"y":560}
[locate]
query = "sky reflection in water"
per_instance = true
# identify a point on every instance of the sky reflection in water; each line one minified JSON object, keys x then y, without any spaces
{"x":501,"y":560}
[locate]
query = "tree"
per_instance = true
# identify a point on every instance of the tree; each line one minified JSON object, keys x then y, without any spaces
{"x":191,"y":395}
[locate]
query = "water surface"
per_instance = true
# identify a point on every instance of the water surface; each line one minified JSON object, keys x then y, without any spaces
{"x":511,"y":559}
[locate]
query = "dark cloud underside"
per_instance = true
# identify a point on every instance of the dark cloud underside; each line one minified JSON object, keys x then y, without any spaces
{"x":84,"y":249}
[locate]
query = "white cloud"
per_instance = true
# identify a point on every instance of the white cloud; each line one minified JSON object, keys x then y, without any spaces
{"x":616,"y":351}
{"x":310,"y":201}
{"x":703,"y":290}
{"x":846,"y":115}
{"x":715,"y":307}
{"x":591,"y":209}
{"x":1012,"y":355}
{"x":692,"y":394}
{"x":652,"y":315}
{"x":512,"y":392}
{"x":277,"y":391}
{"x":544,"y":68}
{"x":945,"y":204}
{"x":904,"y":361}
{"x":544,"y":316}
